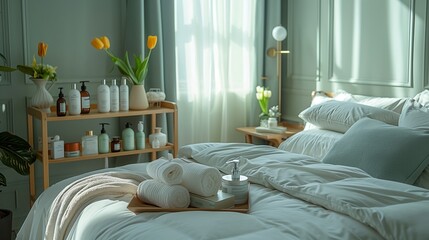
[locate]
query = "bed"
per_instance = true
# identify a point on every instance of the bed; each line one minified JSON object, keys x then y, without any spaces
{"x":359,"y":170}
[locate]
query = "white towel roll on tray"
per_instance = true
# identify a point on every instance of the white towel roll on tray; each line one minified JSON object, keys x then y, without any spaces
{"x":200,"y":179}
{"x":165,"y":171}
{"x":163,"y":195}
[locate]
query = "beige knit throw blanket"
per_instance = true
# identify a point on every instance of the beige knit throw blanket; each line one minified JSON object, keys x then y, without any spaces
{"x":77,"y":195}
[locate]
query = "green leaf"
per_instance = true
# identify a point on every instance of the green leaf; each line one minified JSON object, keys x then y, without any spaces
{"x":26,"y":69}
{"x":2,"y":180}
{"x":16,"y":153}
{"x":6,"y":69}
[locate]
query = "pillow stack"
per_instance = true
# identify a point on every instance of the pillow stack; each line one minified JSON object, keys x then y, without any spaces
{"x":174,"y":180}
{"x":397,"y":153}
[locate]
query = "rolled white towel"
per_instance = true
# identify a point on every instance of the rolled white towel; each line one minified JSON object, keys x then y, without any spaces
{"x":200,"y":179}
{"x":163,"y":195}
{"x":165,"y":171}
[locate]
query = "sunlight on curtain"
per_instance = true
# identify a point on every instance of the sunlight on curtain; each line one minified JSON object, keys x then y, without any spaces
{"x":215,"y":67}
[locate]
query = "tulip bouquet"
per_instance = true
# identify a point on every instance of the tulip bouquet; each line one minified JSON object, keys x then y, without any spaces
{"x":36,"y":70}
{"x":263,"y":95}
{"x":136,"y":73}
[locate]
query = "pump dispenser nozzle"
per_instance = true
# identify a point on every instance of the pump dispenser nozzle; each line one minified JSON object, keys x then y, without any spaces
{"x":83,"y":87}
{"x":61,"y":94}
{"x":102,"y":127}
{"x":235,"y":175}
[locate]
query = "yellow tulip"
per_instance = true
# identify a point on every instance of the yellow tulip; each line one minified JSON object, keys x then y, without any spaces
{"x":42,"y":48}
{"x":97,"y":43}
{"x":151,"y":41}
{"x":105,"y":41}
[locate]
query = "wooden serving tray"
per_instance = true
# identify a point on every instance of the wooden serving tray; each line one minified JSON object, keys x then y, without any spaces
{"x":138,"y":206}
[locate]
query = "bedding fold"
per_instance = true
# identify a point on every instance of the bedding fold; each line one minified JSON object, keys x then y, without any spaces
{"x":163,"y":195}
{"x":395,"y":210}
{"x":165,"y":171}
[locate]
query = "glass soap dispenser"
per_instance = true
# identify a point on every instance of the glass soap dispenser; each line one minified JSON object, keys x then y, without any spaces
{"x":84,"y":99}
{"x":61,"y":104}
{"x":158,"y":139}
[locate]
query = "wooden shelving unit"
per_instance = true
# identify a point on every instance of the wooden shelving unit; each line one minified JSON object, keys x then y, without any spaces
{"x":46,"y":118}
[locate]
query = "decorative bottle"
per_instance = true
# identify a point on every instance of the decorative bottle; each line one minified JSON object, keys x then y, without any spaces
{"x":103,"y":140}
{"x":103,"y":97}
{"x":124,"y":96}
{"x":84,"y":99}
{"x":140,"y":136}
{"x":158,"y":136}
{"x":89,"y":143}
{"x":74,"y":101}
{"x":114,"y":97}
{"x":128,"y":138}
{"x":61,"y":104}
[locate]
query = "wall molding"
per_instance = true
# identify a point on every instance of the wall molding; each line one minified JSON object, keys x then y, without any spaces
{"x":6,"y":109}
{"x":426,"y":58}
{"x":72,"y":53}
{"x":363,"y":81}
{"x":4,"y":35}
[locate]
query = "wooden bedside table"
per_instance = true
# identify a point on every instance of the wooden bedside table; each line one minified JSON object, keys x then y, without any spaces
{"x":274,"y":139}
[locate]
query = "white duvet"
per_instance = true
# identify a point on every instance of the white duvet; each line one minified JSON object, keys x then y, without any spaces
{"x":292,"y":197}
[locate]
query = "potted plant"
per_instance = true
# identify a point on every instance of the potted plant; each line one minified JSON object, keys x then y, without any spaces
{"x":136,"y":73}
{"x":17,"y":154}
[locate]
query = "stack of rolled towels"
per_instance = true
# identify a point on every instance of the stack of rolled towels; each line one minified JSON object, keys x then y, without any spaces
{"x":173,"y":180}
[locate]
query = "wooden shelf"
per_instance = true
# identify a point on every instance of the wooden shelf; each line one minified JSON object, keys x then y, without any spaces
{"x":46,"y":118}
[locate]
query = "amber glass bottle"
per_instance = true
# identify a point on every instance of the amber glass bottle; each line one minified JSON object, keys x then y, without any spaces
{"x":85,"y":100}
{"x":61,"y":104}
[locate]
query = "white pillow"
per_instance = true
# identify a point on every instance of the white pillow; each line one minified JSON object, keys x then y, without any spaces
{"x":382,"y":150}
{"x":414,"y":115}
{"x":340,"y":116}
{"x":423,"y":98}
{"x":390,"y":103}
{"x":314,"y":142}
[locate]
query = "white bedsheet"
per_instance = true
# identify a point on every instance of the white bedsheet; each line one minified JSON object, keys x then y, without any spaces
{"x":274,"y":213}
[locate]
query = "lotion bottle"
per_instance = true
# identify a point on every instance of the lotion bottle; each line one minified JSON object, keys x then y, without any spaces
{"x":89,"y":143}
{"x":140,"y":136}
{"x":103,"y":97}
{"x":128,"y":138}
{"x":124,"y":98}
{"x":103,"y":140}
{"x":85,"y":99}
{"x":114,"y":97}
{"x":61,"y":104}
{"x":74,"y":101}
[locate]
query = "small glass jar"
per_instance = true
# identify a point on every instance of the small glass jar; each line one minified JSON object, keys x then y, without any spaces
{"x":115,"y":145}
{"x":272,"y":122}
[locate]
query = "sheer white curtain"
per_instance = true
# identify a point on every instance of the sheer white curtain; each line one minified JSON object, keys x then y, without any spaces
{"x":215,"y":68}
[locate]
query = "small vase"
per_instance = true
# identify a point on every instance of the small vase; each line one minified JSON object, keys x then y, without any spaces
{"x":138,"y":98}
{"x":158,"y":139}
{"x":42,"y":99}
